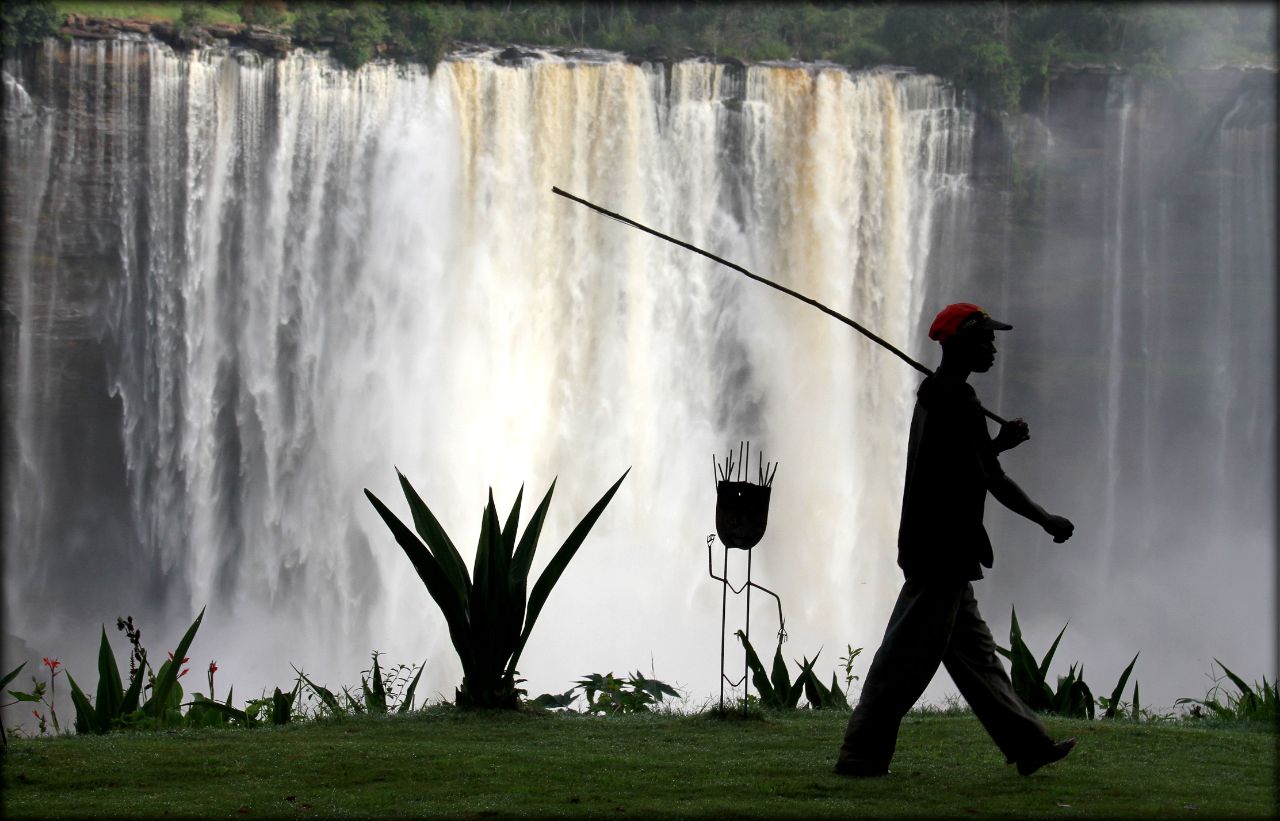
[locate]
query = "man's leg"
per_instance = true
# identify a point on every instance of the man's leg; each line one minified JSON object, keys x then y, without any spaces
{"x":971,"y":661}
{"x":914,"y":644}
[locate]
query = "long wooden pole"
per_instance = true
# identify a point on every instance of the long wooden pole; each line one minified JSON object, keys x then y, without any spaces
{"x":808,"y":301}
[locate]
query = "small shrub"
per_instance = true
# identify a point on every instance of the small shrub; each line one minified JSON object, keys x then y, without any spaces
{"x":609,"y":695}
{"x":268,"y":13}
{"x":1256,"y":703}
{"x":194,"y":14}
{"x":488,"y":613}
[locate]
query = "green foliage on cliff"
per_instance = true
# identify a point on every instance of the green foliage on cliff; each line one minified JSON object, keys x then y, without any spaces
{"x":1002,"y":52}
{"x":26,"y":22}
{"x":352,"y":30}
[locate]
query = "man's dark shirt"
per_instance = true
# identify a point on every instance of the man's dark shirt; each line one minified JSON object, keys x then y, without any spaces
{"x":950,"y":462}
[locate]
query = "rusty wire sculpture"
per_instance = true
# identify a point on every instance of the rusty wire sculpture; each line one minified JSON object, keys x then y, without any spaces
{"x":742,"y":514}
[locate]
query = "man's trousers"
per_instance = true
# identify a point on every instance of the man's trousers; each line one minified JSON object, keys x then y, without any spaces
{"x":936,"y":621}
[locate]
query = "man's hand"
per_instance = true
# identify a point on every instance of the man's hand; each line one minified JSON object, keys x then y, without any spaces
{"x":1059,"y":528}
{"x":1012,"y":433}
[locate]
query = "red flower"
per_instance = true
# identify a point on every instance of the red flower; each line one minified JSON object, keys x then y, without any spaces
{"x":184,"y":671}
{"x":184,"y":661}
{"x":53,"y":664}
{"x":213,"y":667}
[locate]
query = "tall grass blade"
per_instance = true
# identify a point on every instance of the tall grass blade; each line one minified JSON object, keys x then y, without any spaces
{"x":1135,"y":714}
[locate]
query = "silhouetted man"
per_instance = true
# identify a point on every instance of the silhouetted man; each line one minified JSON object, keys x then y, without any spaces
{"x":942,"y":548}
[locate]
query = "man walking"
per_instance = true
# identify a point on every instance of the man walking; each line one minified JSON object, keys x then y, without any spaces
{"x":942,"y":547}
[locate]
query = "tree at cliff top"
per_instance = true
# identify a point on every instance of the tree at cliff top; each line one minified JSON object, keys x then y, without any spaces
{"x":352,"y":30}
{"x":28,"y":22}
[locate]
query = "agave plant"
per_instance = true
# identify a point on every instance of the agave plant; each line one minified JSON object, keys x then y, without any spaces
{"x":779,"y":692}
{"x":488,"y":614}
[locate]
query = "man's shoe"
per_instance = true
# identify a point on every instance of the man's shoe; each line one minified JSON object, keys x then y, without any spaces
{"x":1056,"y":752}
{"x":860,"y":770}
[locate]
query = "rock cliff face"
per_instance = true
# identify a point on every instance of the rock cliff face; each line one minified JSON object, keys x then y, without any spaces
{"x":1125,"y":229}
{"x":1133,"y":219}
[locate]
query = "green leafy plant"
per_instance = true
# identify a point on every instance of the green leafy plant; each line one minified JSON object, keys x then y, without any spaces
{"x":37,"y":694}
{"x":610,"y":695}
{"x":115,"y":706}
{"x":1111,"y":705}
{"x":276,"y":709}
{"x":488,"y":614}
{"x":1256,"y":703}
{"x":780,"y":693}
{"x":846,"y":661}
{"x":384,"y":691}
{"x":1072,"y":697}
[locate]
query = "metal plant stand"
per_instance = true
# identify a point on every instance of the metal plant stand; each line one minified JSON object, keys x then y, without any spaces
{"x":742,"y":513}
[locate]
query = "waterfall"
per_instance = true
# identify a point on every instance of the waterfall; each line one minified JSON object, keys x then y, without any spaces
{"x":304,"y":277}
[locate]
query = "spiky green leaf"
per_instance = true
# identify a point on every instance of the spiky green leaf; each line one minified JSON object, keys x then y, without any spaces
{"x":86,"y":716}
{"x":433,"y":575}
{"x":110,"y":690}
{"x":437,"y":542}
{"x":551,"y":574}
{"x":1118,"y":691}
{"x":759,"y":677}
{"x":407,"y":703}
{"x":11,"y":675}
{"x":167,"y":679}
{"x":1048,"y":657}
{"x":780,"y":679}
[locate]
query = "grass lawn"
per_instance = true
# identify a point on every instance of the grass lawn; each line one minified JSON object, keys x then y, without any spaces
{"x":446,"y":763}
{"x":167,"y":12}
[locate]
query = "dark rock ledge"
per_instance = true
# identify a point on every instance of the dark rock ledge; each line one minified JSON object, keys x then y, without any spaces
{"x":214,"y":34}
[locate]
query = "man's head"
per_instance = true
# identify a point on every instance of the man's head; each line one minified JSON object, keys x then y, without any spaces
{"x":967,"y":335}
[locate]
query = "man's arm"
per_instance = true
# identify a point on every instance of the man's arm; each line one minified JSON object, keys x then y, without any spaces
{"x":1015,"y":498}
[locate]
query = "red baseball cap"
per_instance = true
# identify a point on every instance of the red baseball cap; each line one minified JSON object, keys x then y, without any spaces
{"x":963,"y":316}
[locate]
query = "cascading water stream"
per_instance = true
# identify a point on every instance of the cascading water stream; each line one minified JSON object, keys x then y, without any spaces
{"x":312,"y":275}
